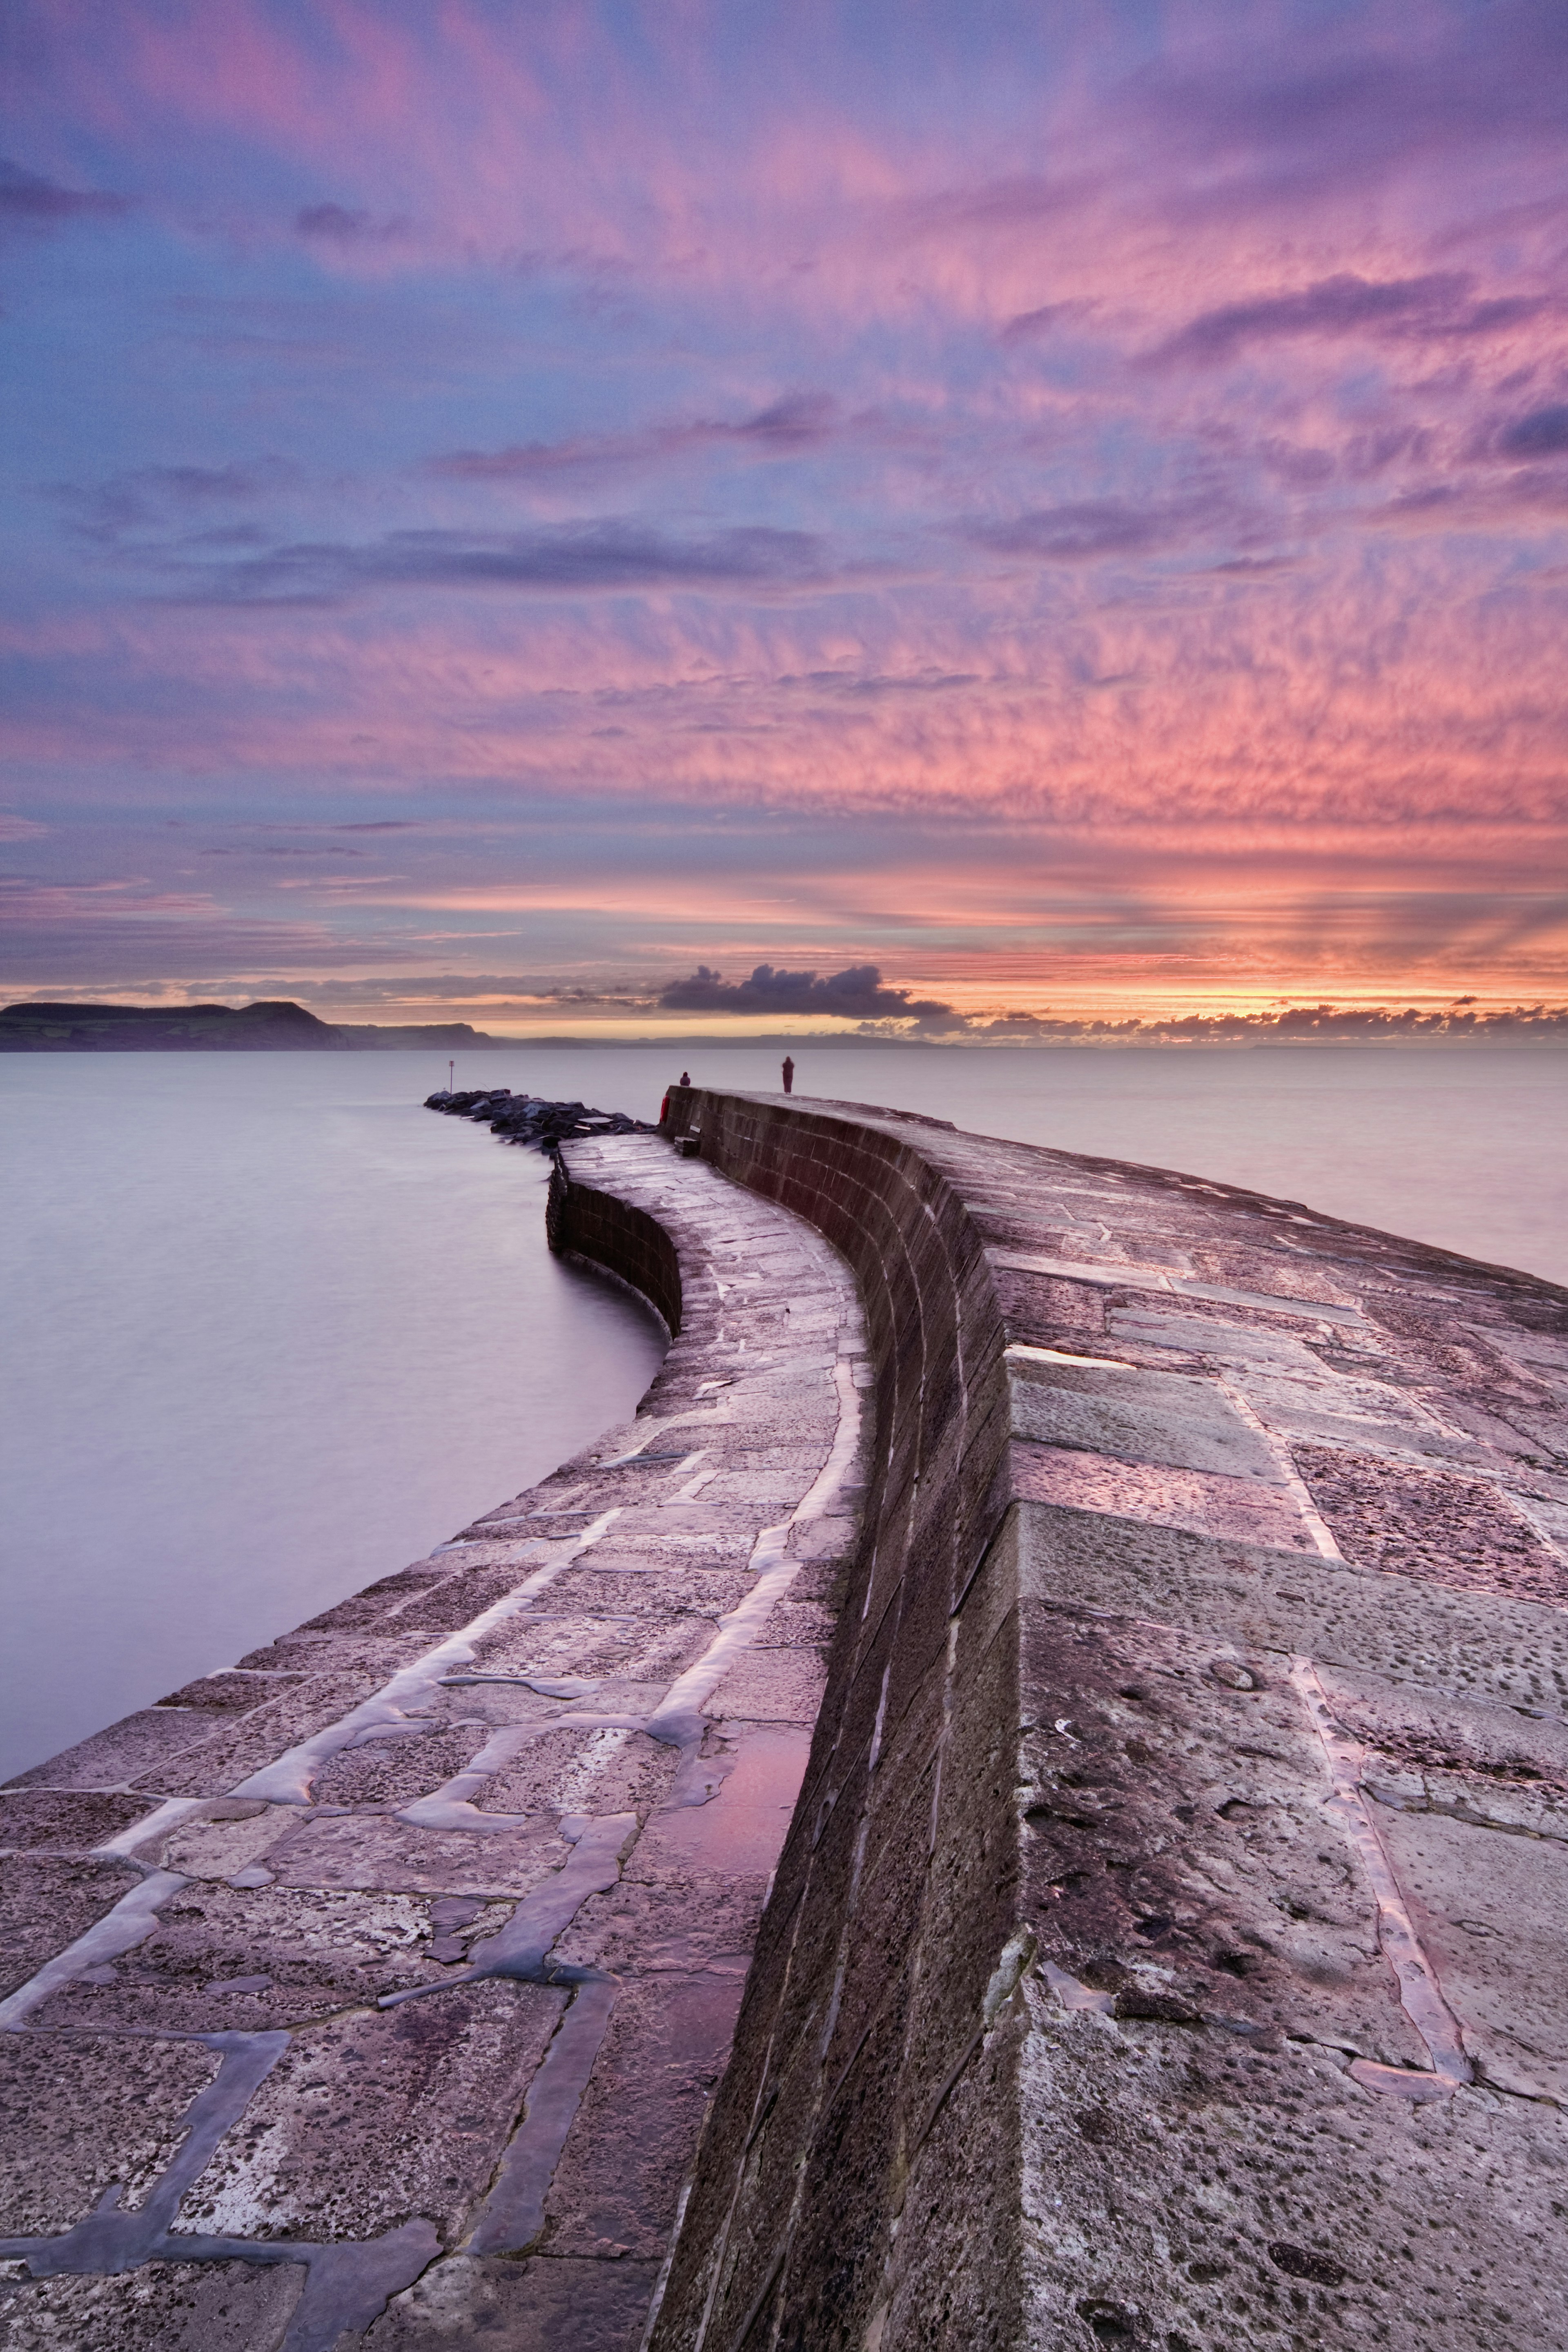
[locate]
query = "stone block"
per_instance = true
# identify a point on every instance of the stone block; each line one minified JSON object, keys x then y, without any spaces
{"x":80,"y":2113}
{"x":161,"y":2307}
{"x":371,"y":2118}
{"x":618,"y":2182}
{"x":544,"y":2305}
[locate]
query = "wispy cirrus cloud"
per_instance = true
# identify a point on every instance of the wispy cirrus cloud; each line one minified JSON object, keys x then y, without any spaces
{"x":612,"y":555}
{"x":348,"y":224}
{"x":797,"y":421}
{"x":1086,"y":530}
{"x":1440,"y":306}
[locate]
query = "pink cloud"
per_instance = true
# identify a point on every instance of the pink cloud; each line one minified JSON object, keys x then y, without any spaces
{"x":1146,"y":480}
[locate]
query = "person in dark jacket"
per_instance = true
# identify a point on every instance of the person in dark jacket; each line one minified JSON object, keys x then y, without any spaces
{"x":788,"y":1075}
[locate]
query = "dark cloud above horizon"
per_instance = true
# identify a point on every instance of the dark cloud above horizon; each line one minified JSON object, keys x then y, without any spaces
{"x":857,"y":994}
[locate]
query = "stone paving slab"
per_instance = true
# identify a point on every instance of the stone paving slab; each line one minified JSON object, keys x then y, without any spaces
{"x":424,"y":1926}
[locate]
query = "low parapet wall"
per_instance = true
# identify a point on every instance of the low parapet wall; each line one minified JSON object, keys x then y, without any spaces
{"x":1166,"y":1946}
{"x":622,"y":1239}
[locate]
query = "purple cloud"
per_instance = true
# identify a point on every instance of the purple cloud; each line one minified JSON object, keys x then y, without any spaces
{"x":1438,"y":305}
{"x":27,"y":200}
{"x":337,"y":225}
{"x":573,"y":559}
{"x":1030,"y":325}
{"x":798,"y":421}
{"x":1269,"y":128}
{"x":1085,"y":530}
{"x":1542,"y":434}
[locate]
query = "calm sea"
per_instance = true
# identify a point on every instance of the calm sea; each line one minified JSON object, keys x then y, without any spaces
{"x":273,"y":1329}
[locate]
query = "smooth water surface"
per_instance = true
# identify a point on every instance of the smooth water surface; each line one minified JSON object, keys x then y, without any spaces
{"x":273,"y":1329}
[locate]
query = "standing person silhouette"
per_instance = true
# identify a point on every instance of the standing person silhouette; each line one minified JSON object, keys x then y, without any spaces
{"x":788,"y":1075}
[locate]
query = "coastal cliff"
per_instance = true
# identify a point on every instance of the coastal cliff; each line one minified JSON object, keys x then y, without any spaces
{"x":1158,"y":1597}
{"x":266,"y":1027}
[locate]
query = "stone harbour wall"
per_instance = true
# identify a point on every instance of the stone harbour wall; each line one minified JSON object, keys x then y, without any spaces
{"x":1022,"y":1803}
{"x":867,"y":2080}
{"x":1167,"y":1948}
{"x":618,"y":1236}
{"x":370,"y":1991}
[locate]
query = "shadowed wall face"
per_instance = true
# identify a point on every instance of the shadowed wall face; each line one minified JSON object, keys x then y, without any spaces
{"x":618,"y":1236}
{"x":1188,"y":1790}
{"x":859,"y":2091}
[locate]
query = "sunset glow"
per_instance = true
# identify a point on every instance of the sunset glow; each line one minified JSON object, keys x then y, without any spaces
{"x":510,"y":510}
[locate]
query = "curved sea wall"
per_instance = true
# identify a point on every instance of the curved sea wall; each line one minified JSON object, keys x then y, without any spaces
{"x":371,"y":1991}
{"x":864,"y":2084}
{"x":1165,"y":1950}
{"x":614,"y":1233}
{"x":1157,"y":1596}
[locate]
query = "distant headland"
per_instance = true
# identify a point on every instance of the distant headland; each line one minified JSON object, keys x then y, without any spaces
{"x":263,"y":1028}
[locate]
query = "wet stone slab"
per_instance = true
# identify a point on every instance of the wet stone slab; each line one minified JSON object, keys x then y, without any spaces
{"x":78,"y":2113}
{"x":149,"y":1742}
{"x":42,"y":1820}
{"x":371,"y":1854}
{"x":47,"y":1901}
{"x":161,"y":2307}
{"x":222,"y":1959}
{"x":371,"y":2118}
{"x":356,"y":1863}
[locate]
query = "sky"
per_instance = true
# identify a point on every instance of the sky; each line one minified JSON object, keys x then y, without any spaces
{"x":931,"y":516}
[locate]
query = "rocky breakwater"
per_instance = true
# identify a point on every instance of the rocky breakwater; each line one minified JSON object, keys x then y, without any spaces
{"x":370,"y":1991}
{"x":531,"y":1119}
{"x":1167,"y":1950}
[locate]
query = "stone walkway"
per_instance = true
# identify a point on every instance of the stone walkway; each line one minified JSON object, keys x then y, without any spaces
{"x":1294,"y":1562}
{"x":372,"y":1991}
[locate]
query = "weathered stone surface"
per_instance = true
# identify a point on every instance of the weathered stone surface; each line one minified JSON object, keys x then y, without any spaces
{"x":160,"y":2307}
{"x":550,"y":2304}
{"x":78,"y":2115}
{"x":371,"y":2118}
{"x":1161,"y":1953}
{"x":46,"y":1901}
{"x":431,"y":1917}
{"x":46,"y":1821}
